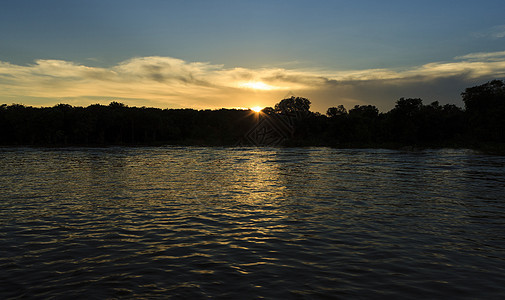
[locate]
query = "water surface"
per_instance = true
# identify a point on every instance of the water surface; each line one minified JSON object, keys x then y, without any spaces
{"x":251,"y":222}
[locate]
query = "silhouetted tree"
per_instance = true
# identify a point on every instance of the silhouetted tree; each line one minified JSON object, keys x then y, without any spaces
{"x":364,"y":111}
{"x":336,"y":111}
{"x":403,"y":121}
{"x":364,"y":124}
{"x":485,"y":108}
{"x":268,"y":111}
{"x":293,"y":105}
{"x":408,"y":107}
{"x":338,"y":128}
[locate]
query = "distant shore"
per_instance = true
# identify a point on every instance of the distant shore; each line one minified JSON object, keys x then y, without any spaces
{"x":409,"y":125}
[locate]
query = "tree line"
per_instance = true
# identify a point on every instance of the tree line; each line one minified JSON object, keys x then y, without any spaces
{"x":481,"y":123}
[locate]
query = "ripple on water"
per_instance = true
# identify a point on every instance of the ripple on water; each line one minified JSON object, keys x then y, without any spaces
{"x":251,"y":222}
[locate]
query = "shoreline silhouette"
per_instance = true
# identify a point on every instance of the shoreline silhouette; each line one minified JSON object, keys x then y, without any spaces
{"x":409,"y":125}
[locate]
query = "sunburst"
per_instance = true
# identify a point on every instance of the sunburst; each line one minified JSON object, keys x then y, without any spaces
{"x":256,"y":109}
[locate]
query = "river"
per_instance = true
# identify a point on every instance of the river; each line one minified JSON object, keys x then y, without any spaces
{"x":247,"y":223}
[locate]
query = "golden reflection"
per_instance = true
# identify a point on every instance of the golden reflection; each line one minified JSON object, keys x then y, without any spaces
{"x":255,"y":179}
{"x":260,"y":177}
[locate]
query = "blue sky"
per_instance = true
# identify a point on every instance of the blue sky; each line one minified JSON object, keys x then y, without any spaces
{"x":211,"y":54}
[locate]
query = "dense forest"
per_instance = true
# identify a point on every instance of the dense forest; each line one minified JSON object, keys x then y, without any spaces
{"x":480,"y":124}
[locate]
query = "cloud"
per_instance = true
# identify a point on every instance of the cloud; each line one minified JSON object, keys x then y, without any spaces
{"x":494,"y":33}
{"x":170,"y":82}
{"x":483,"y":56}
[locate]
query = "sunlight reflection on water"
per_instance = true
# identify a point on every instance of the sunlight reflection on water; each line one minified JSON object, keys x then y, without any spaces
{"x":253,"y":222}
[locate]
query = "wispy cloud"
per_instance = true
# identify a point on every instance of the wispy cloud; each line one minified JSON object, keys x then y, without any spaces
{"x":497,"y":32}
{"x":483,"y":56}
{"x":171,"y":82}
{"x":494,"y":33}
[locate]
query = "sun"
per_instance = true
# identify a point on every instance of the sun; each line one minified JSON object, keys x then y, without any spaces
{"x":256,"y":108}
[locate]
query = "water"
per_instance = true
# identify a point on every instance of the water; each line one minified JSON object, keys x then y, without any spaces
{"x":247,"y":223}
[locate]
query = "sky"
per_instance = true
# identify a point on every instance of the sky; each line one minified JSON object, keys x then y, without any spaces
{"x":240,"y":54}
